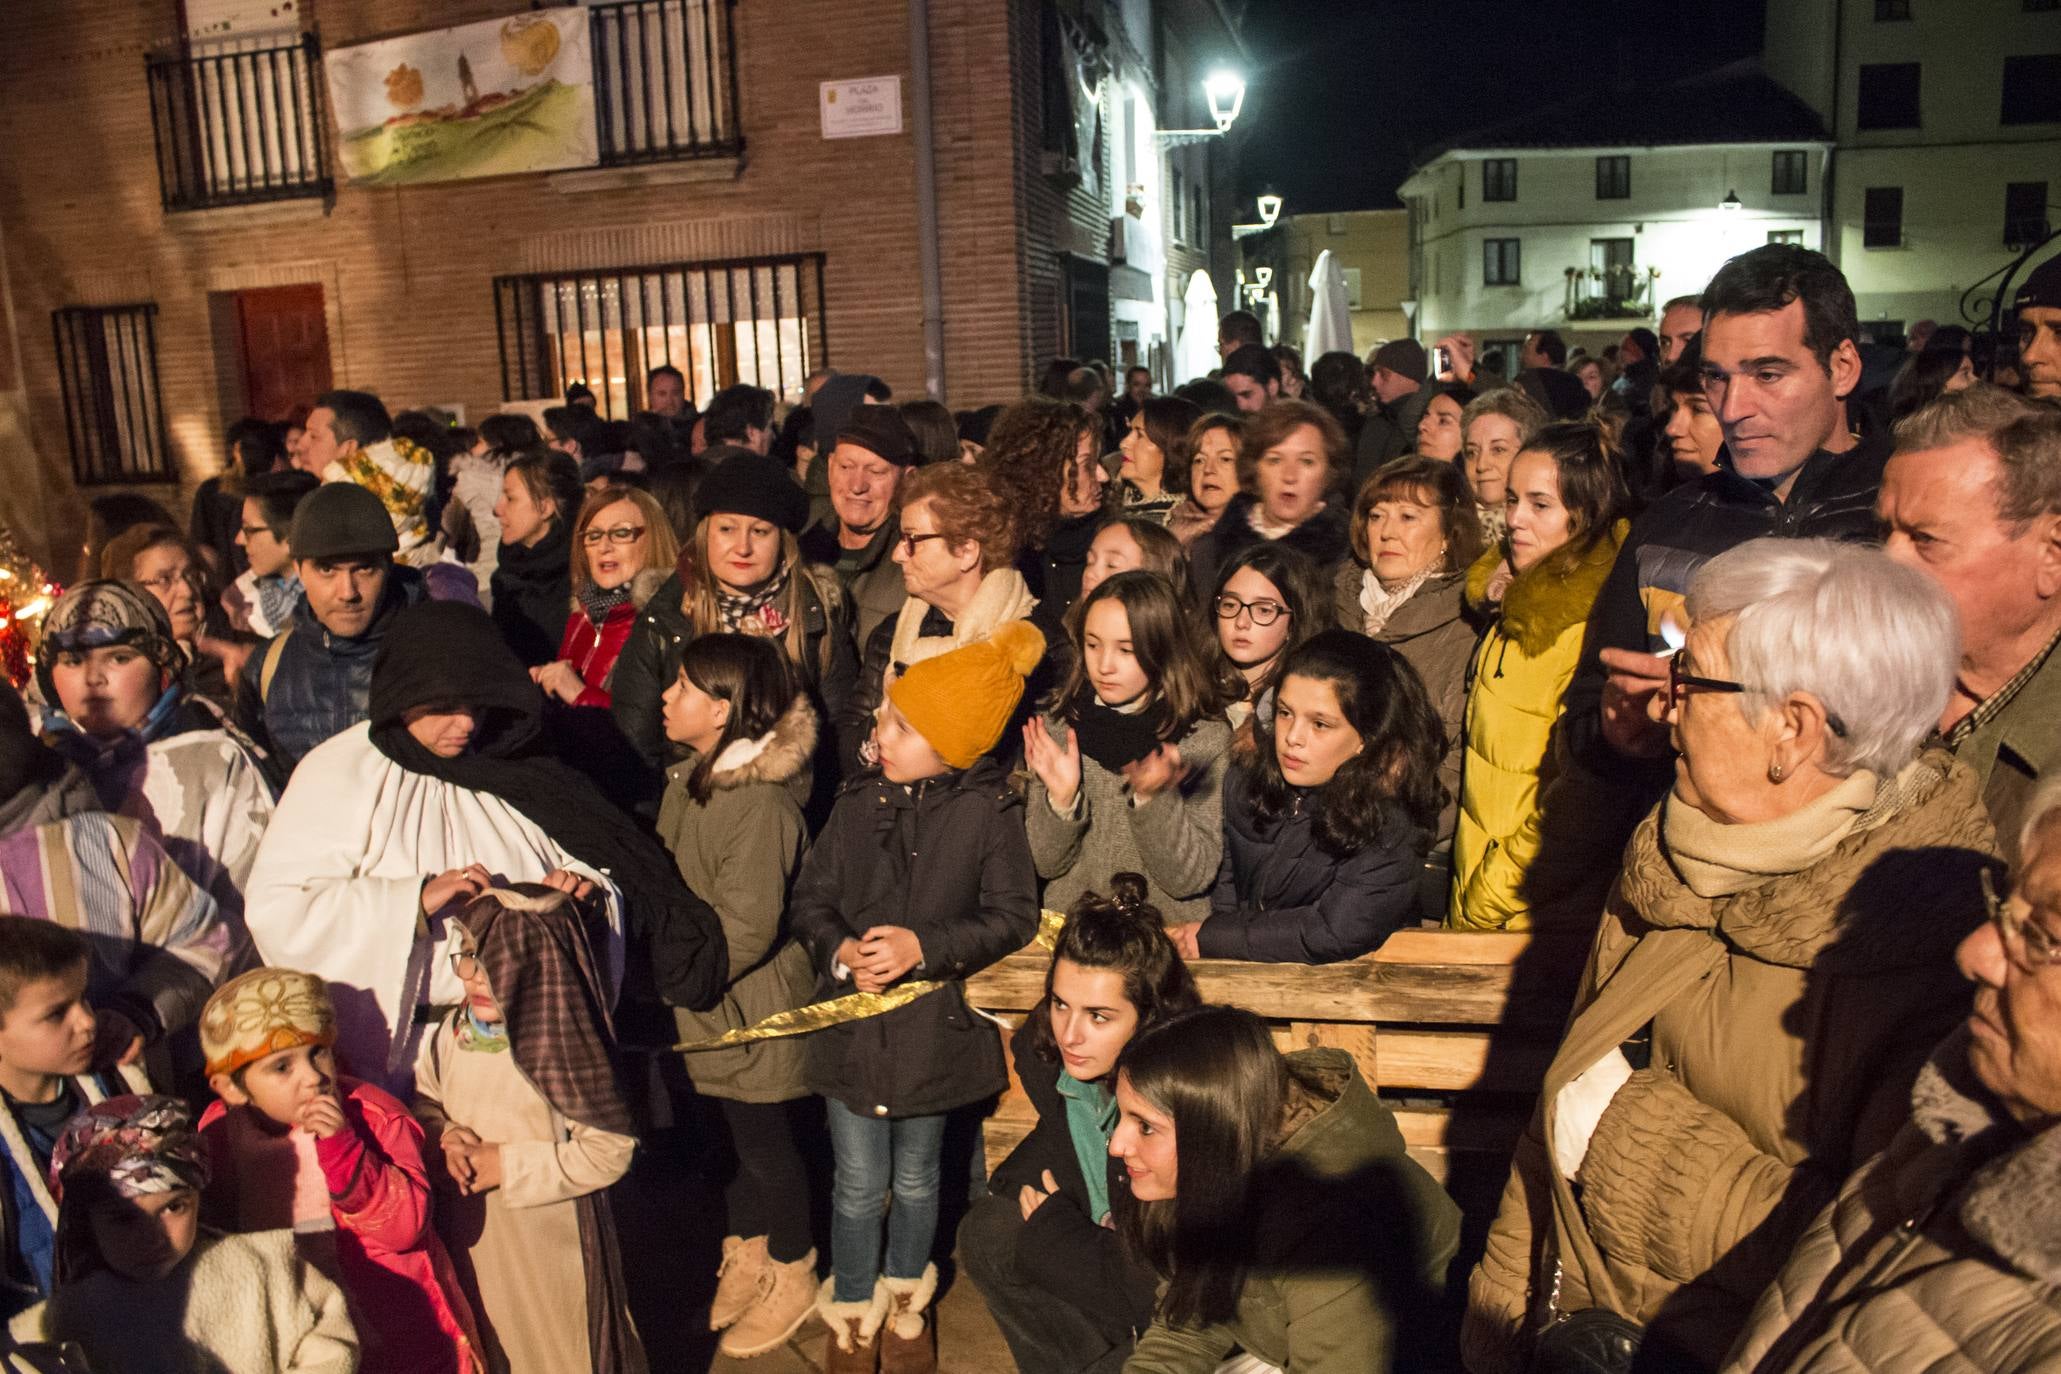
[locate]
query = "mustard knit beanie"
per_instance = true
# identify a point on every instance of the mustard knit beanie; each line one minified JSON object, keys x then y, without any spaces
{"x":961,"y":701}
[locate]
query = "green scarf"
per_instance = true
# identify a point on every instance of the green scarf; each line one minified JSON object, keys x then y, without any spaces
{"x":1091,"y":1121}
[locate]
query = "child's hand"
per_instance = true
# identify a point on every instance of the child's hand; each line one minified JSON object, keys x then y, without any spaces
{"x":1030,"y":1199}
{"x":848,"y":955}
{"x":457,"y":1143}
{"x":888,"y":952}
{"x":1057,"y":766}
{"x":1155,"y":773}
{"x":322,"y":1117}
{"x":115,"y":1039}
{"x":484,"y":1172}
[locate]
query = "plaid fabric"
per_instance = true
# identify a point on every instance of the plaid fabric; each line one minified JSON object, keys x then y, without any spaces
{"x":1991,"y":706}
{"x":532,"y":945}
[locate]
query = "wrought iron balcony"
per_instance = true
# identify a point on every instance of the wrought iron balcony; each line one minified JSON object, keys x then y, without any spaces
{"x":665,"y":80}
{"x":239,"y":128}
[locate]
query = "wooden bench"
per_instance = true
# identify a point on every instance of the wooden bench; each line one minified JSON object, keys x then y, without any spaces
{"x":1453,"y":1029}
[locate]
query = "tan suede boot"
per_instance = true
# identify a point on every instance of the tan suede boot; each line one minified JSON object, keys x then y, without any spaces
{"x":738,"y":1279}
{"x":786,"y":1299}
{"x":908,"y":1341}
{"x":853,"y":1347}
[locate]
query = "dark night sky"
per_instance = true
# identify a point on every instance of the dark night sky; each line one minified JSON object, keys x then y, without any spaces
{"x":1342,"y":94}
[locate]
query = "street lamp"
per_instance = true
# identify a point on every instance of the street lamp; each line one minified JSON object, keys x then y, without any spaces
{"x":1226,"y":93}
{"x":1731,"y":204}
{"x":1264,"y":276}
{"x":1269,"y":210}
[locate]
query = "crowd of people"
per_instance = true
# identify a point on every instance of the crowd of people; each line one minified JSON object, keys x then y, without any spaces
{"x":440,"y":813}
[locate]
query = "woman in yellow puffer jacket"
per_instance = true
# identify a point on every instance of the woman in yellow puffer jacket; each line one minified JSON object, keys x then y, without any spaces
{"x":1564,"y":500}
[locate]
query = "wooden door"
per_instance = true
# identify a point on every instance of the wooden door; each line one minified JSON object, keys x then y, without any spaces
{"x":285,"y":339}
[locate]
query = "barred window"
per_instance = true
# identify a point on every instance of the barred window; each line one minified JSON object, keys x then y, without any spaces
{"x":113,"y":407}
{"x":759,"y":321}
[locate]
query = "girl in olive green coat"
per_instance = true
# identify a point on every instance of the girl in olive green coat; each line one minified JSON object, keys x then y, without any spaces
{"x":732,"y":818}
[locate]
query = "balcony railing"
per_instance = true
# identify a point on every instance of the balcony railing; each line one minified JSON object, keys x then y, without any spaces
{"x":1609,"y":293}
{"x":665,"y":80}
{"x":237,"y":128}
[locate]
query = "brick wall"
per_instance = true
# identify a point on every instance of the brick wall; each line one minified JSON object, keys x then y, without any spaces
{"x":406,"y":271}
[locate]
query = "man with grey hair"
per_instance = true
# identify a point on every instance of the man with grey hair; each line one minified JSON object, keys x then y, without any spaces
{"x":1972,"y":499}
{"x":1945,"y":1251}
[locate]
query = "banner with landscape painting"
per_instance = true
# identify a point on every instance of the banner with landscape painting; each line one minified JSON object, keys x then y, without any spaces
{"x":480,"y":100}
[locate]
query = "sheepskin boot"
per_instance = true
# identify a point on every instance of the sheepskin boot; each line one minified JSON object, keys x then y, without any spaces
{"x":738,"y":1279}
{"x":908,"y":1342}
{"x":853,"y":1347}
{"x":786,"y":1299}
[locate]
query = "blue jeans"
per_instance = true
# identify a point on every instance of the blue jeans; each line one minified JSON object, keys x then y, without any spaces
{"x":876,"y":1155}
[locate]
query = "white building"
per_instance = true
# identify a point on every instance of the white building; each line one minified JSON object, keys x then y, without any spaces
{"x":1948,"y":120}
{"x":1584,"y":217}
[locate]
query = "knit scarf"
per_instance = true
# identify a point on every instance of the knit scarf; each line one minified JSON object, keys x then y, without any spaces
{"x":1002,"y":596}
{"x":753,"y":612}
{"x":1113,"y":737}
{"x":1717,"y":860}
{"x":1378,"y":603}
{"x":597,"y":602}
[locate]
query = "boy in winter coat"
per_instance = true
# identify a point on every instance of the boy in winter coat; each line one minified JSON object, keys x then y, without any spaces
{"x":923,"y":873}
{"x":296,"y":1145}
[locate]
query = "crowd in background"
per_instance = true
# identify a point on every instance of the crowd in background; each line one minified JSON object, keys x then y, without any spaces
{"x":442,"y":811}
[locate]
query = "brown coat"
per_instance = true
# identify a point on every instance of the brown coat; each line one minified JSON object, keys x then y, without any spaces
{"x":1945,"y":1253}
{"x":1435,"y":633}
{"x":1788,"y":1022}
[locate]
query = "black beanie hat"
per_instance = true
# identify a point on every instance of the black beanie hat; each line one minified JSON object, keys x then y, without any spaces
{"x":2041,"y":289}
{"x":749,"y":484}
{"x":881,"y":430}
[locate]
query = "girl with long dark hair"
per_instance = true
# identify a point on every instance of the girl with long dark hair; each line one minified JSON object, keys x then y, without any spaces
{"x":1266,"y":602}
{"x":1057,"y":1280}
{"x":1326,"y":828}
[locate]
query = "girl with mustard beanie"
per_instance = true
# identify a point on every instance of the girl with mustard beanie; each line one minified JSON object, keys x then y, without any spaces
{"x":921,"y":875}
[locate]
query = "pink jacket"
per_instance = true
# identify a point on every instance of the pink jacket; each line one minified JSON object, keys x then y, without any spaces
{"x":411,"y":1315}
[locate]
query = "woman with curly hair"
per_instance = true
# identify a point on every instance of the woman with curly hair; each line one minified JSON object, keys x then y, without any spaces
{"x":1048,"y":456}
{"x":1326,"y":828}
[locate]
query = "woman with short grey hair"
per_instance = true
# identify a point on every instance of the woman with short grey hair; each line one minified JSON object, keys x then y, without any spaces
{"x":1773,"y":966}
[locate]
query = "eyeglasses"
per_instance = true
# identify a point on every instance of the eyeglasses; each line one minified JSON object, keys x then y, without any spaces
{"x":1678,"y":680}
{"x":910,"y":541}
{"x":2026,"y":942}
{"x":621,"y":534}
{"x":253,"y":531}
{"x":163,"y":583}
{"x":1262,"y":612}
{"x":464,"y":963}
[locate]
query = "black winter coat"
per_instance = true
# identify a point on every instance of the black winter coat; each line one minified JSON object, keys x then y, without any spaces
{"x":948,"y":859}
{"x":1322,"y":537}
{"x":1281,"y":899}
{"x":533,"y":595}
{"x":1061,"y":1248}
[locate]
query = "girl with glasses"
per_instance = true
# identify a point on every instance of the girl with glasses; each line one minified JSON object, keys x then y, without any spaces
{"x":1267,"y":599}
{"x":622,"y":549}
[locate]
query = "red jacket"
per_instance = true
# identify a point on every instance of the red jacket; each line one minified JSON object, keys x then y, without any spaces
{"x":411,"y":1315}
{"x":592,"y":652}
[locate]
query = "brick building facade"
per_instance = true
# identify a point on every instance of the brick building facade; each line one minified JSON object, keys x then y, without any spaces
{"x":419,"y":292}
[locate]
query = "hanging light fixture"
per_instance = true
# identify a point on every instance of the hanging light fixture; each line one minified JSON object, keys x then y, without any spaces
{"x":1269,"y":209}
{"x":1731,"y":204}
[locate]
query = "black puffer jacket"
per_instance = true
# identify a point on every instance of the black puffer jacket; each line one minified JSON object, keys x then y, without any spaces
{"x":1281,"y":899}
{"x":948,"y":859}
{"x":1061,"y":1249}
{"x":1322,"y":538}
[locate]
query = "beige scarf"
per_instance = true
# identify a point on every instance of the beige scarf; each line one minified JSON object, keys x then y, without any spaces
{"x":1003,"y":596}
{"x":1378,"y":603}
{"x":1717,"y":860}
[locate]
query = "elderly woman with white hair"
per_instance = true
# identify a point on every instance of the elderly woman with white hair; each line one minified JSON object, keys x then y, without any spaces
{"x":1774,"y":965}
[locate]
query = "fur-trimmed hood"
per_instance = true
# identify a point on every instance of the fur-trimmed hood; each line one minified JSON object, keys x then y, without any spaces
{"x":1554,"y":593}
{"x":642,"y":587}
{"x":778,"y":756}
{"x":2011,"y":1201}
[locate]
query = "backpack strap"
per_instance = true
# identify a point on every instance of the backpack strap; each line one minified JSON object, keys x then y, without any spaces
{"x":269,"y":669}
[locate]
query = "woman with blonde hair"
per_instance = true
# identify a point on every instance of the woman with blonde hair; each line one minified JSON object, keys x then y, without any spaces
{"x":622,"y":549}
{"x":1493,"y":427}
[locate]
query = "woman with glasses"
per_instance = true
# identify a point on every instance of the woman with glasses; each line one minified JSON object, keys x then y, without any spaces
{"x":1774,"y":964}
{"x":164,"y":563}
{"x":1267,"y":600}
{"x":622,"y":550}
{"x":1564,"y":501}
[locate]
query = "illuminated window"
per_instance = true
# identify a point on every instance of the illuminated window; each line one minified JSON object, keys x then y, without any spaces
{"x":113,"y":407}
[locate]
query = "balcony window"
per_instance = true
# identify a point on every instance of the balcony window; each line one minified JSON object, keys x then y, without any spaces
{"x":113,"y":407}
{"x":2032,"y":89}
{"x":1792,"y":172}
{"x":1882,"y":221}
{"x":1499,"y":178}
{"x":665,"y":80}
{"x":238,"y":128}
{"x":721,"y":323}
{"x":1501,"y":263}
{"x":1889,"y":96}
{"x":2025,"y":213}
{"x":1614,"y":177}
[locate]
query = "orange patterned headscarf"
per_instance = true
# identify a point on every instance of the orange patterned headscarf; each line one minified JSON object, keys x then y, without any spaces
{"x":263,"y":1012}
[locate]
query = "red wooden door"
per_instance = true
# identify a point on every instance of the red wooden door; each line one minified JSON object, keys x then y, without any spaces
{"x":285,"y":348}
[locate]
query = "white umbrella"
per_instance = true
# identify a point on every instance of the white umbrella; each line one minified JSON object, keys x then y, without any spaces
{"x":1331,"y":320}
{"x":1196,"y":354}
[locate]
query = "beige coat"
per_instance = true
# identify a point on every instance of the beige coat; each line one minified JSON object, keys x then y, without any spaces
{"x":1788,"y":1022}
{"x":739,"y":852}
{"x":1943,"y":1254}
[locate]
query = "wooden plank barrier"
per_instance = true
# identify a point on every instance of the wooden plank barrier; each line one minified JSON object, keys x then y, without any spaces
{"x":1454,"y":1029}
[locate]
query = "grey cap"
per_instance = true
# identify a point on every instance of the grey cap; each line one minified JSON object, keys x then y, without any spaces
{"x":341,"y":520}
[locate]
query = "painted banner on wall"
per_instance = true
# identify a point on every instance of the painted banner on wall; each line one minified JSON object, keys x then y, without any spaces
{"x":480,"y":100}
